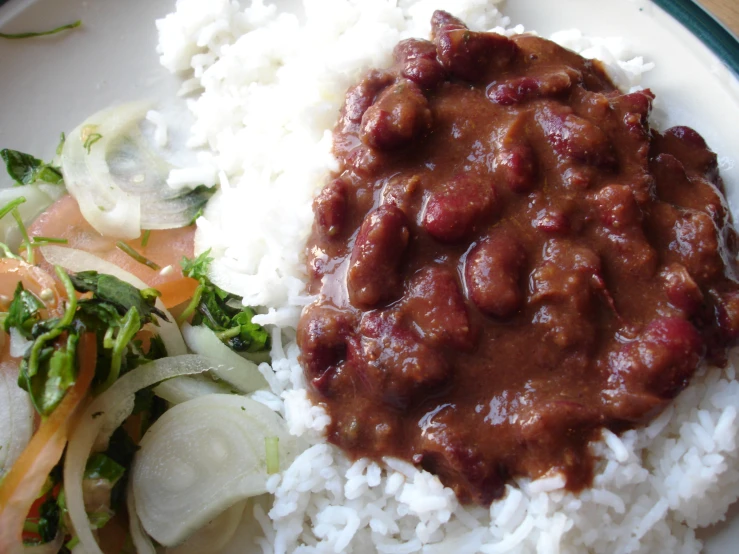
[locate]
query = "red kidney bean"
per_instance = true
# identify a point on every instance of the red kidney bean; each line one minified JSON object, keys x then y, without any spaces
{"x":524,"y":89}
{"x":575,"y":138}
{"x":330,"y":208}
{"x":399,"y":114}
{"x":417,"y":61}
{"x":493,"y":275}
{"x":466,"y":54}
{"x":437,"y":306}
{"x":374,"y":270}
{"x":452,"y":212}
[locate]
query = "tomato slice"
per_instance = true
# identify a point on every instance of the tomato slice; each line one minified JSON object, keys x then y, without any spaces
{"x":166,"y":248}
{"x":34,"y":280}
{"x":21,"y":485}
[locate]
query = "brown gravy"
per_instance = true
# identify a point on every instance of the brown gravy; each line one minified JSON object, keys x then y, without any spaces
{"x":508,"y":261}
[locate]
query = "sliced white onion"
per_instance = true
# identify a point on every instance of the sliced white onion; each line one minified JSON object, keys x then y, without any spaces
{"x":38,"y":198}
{"x":104,"y":204}
{"x":201,"y":457}
{"x":214,"y":535}
{"x":141,"y":541}
{"x":92,"y":421}
{"x":241,"y":373}
{"x":16,"y":416}
{"x":182,"y":389}
{"x":18,"y":343}
{"x":249,"y":530}
{"x":119,"y":176}
{"x":75,"y":261}
{"x":111,"y":420}
{"x":51,"y":547}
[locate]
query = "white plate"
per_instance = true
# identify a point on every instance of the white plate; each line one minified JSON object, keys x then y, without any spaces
{"x":49,"y":85}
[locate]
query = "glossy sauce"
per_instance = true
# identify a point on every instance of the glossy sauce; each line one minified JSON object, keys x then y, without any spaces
{"x":508,"y":261}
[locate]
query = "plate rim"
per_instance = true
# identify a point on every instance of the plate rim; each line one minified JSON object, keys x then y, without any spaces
{"x":689,"y":13}
{"x":707,"y":28}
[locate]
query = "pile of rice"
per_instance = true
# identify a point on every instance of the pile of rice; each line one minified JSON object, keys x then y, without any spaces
{"x":265,"y":89}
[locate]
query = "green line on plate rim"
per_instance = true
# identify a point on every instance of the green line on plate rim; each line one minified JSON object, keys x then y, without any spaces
{"x":707,"y":28}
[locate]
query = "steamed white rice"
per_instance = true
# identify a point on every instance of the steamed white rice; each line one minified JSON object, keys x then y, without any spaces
{"x":265,"y":89}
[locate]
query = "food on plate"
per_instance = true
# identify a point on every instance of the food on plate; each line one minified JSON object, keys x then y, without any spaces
{"x":516,"y":290}
{"x":508,"y":260}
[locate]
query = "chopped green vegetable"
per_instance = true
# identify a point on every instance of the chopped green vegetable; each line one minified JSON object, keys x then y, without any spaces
{"x":213,"y":307}
{"x":61,"y":375}
{"x":136,"y":256}
{"x":92,"y":138}
{"x":115,"y":312}
{"x":99,"y":519}
{"x":60,"y":146}
{"x":122,"y":296}
{"x":12,"y":205}
{"x":100,"y":466}
{"x":33,"y":34}
{"x":23,"y":312}
{"x":43,"y":241}
{"x":25,"y":169}
{"x":197,"y":268}
{"x":271,"y":445}
{"x":24,"y":233}
{"x":8,"y":252}
{"x":36,"y":367}
{"x":130,"y":325}
{"x":145,"y":238}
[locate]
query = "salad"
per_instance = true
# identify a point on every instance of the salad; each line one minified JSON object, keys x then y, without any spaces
{"x":125,"y":373}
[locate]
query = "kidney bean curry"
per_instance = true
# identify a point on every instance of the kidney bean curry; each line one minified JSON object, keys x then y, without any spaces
{"x":508,"y":261}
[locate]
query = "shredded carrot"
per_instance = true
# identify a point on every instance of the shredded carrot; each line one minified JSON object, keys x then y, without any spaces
{"x":21,"y":485}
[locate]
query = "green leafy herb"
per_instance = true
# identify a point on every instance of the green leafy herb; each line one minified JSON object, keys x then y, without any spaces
{"x":23,"y":312}
{"x":100,"y":466}
{"x":197,"y":268}
{"x":12,"y":205}
{"x":33,"y":34}
{"x":215,"y":308}
{"x":61,"y":374}
{"x":115,"y":311}
{"x":129,"y":326}
{"x":36,"y":366}
{"x":24,"y":233}
{"x":24,"y":169}
{"x":60,"y":146}
{"x":136,"y":256}
{"x":43,"y":241}
{"x":122,"y":296}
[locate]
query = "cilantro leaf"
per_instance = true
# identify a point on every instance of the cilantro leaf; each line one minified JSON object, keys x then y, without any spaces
{"x":114,"y":311}
{"x":24,"y":169}
{"x":197,"y":268}
{"x":216,"y":309}
{"x":23,"y":312}
{"x":119,"y":294}
{"x":100,"y":466}
{"x":61,"y":374}
{"x":252,"y":337}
